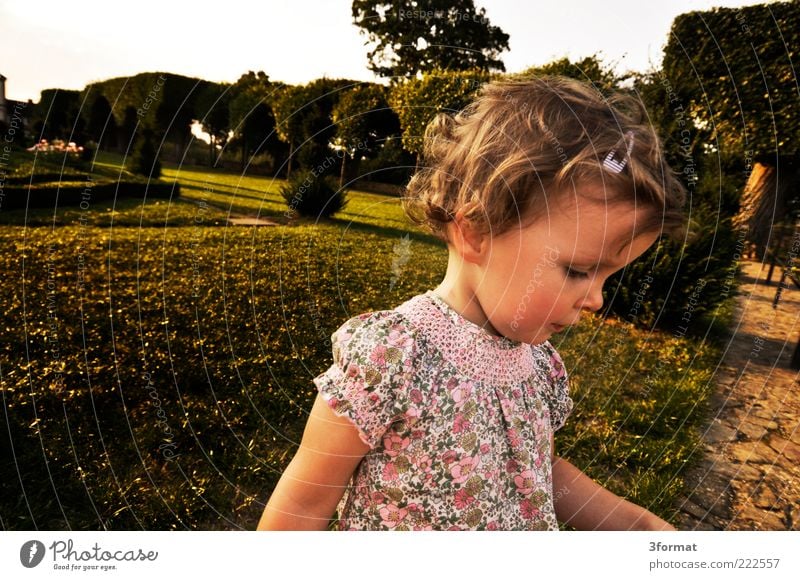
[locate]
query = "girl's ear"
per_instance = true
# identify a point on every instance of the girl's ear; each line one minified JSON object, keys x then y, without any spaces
{"x":467,"y":240}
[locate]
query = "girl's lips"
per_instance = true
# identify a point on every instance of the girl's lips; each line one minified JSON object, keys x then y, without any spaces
{"x":558,"y":327}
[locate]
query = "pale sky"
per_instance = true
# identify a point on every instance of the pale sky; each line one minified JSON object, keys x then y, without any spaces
{"x":63,"y":44}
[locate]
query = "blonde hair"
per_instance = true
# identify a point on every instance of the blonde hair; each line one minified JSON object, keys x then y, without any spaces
{"x":499,"y":159}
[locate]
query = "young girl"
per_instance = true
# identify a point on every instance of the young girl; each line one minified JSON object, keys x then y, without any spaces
{"x":440,"y":414}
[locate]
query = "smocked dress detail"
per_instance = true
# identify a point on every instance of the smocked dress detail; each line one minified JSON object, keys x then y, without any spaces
{"x":459,"y":421}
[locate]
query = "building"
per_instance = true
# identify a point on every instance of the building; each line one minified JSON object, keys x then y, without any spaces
{"x":13,"y":114}
{"x":3,"y":104}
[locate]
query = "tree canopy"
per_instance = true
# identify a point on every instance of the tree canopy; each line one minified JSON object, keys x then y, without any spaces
{"x":589,"y":69}
{"x":733,"y":67}
{"x":303,"y":118}
{"x":417,"y":101}
{"x":364,"y":120}
{"x":419,"y":36}
{"x":250,"y":114}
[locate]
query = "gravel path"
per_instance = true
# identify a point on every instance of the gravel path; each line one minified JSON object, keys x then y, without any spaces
{"x":749,"y":478}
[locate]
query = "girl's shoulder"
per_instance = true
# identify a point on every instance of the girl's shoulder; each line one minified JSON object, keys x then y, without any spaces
{"x":555,"y":389}
{"x":370,"y":378}
{"x":547,"y":353}
{"x":381,"y":331}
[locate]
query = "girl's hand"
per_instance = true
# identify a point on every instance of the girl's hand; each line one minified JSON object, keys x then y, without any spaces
{"x":585,"y":505}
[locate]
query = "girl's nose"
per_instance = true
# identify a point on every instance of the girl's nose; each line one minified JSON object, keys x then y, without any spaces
{"x":593,"y":300}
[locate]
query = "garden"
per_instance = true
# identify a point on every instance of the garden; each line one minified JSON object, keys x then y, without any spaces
{"x":160,"y":372}
{"x":157,"y":360}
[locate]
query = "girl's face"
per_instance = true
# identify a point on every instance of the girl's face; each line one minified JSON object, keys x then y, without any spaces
{"x":536,"y":280}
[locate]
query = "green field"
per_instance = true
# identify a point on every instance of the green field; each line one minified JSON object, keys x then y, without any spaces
{"x":156,"y":365}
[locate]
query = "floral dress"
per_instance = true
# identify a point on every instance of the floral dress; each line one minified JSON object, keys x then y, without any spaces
{"x":459,"y":421}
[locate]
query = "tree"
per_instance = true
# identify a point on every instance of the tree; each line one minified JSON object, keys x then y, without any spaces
{"x":127,"y":130}
{"x":176,"y":110}
{"x":55,"y":116}
{"x":144,"y":160}
{"x":165,"y":103}
{"x":589,"y":69}
{"x":735,"y":64}
{"x":288,"y":122}
{"x":100,"y":125}
{"x":251,"y":118}
{"x":411,"y":38}
{"x":303,"y":119}
{"x":213,"y":110}
{"x":417,"y":101}
{"x":363,"y":122}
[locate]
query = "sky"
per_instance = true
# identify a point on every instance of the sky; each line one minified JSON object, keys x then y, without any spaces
{"x":67,"y":45}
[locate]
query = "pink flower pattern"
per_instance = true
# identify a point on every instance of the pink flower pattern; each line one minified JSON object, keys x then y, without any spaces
{"x":525,"y":482}
{"x":463,"y":469}
{"x":391,"y":515}
{"x":463,"y":499}
{"x":458,"y":421}
{"x":393,"y":443}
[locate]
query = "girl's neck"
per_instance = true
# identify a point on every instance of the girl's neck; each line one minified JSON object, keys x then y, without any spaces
{"x":461,"y":299}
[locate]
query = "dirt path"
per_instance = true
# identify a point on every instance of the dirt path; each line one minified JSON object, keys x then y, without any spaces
{"x":749,"y":478}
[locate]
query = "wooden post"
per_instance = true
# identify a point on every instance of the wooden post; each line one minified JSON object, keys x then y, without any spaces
{"x":774,"y":255}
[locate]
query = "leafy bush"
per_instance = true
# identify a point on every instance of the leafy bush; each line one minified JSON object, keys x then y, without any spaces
{"x":313,"y":195}
{"x":145,"y":157}
{"x":392,"y":164}
{"x":418,"y":100}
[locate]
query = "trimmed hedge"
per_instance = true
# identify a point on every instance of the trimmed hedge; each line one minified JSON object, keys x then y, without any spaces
{"x":73,"y":192}
{"x":45,"y":178}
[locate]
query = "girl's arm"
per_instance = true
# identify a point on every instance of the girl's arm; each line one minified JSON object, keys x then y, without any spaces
{"x":585,"y":505}
{"x":313,"y":483}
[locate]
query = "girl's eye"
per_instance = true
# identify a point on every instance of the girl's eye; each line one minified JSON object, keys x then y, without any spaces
{"x":576,"y":274}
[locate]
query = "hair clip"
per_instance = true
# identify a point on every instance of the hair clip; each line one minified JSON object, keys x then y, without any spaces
{"x":615,"y":165}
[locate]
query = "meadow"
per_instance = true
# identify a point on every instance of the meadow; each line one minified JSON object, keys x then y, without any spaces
{"x":156,"y":362}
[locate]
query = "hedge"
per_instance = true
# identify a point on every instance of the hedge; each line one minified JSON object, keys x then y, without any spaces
{"x":72,"y":192}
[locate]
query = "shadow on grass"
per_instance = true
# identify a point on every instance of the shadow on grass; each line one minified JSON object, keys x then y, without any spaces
{"x":385,"y":231}
{"x":217,"y":185}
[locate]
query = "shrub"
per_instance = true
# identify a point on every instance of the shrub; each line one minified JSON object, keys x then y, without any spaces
{"x":145,"y":157}
{"x":261,"y":164}
{"x":313,"y":195}
{"x":392,"y":164}
{"x":89,"y":152}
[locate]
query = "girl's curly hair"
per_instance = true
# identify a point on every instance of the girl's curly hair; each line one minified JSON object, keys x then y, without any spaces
{"x":501,"y":159}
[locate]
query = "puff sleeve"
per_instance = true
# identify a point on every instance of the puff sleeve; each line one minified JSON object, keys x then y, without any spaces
{"x":369,"y":380}
{"x":556,"y":390}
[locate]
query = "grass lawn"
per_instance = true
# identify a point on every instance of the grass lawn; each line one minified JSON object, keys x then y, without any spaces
{"x":159,"y":377}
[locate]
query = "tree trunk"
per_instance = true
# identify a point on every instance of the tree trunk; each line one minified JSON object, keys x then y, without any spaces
{"x":341,"y":174}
